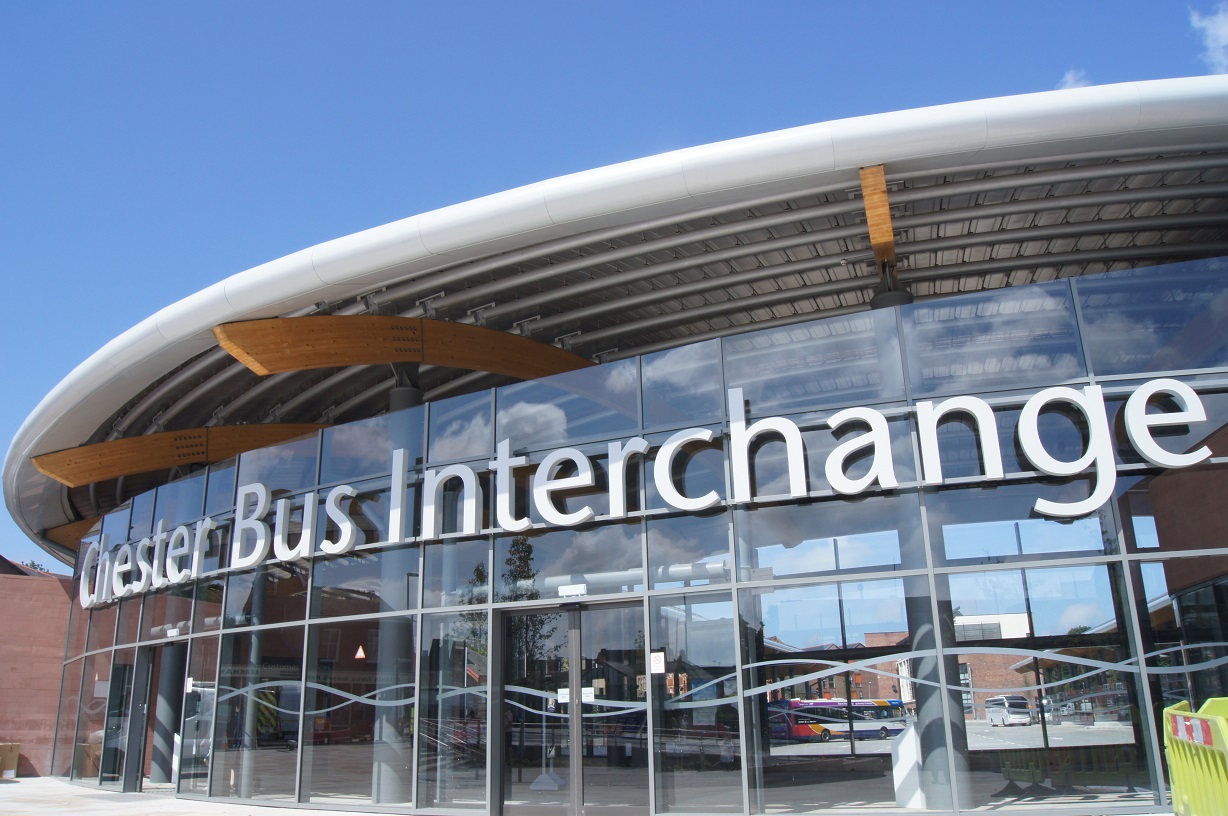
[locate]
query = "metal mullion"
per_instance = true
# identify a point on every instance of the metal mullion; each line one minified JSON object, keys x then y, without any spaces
{"x":496,"y":784}
{"x":738,"y":688}
{"x":650,"y":694}
{"x":1130,"y":617}
{"x":305,"y":653}
{"x":575,"y":709}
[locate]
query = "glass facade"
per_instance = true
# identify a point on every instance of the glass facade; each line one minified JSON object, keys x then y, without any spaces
{"x":621,"y":625}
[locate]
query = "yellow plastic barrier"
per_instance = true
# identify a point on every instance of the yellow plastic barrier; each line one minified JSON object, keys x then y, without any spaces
{"x":1197,"y":750}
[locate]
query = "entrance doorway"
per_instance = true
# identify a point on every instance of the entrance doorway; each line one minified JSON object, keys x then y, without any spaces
{"x":575,"y":706}
{"x":146,"y":698}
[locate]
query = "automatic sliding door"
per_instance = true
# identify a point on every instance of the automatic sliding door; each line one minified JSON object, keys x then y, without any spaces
{"x":614,"y":711}
{"x":559,"y":663}
{"x":536,"y":705}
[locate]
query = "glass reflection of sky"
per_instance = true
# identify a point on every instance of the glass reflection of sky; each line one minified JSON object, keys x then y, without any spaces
{"x":683,"y":385}
{"x":1141,"y":320}
{"x":1155,"y":585}
{"x":839,"y":615}
{"x":826,"y":554}
{"x":1008,"y":538}
{"x":1070,"y":598}
{"x":872,"y":607}
{"x":591,"y":402}
{"x":460,"y":426}
{"x":1004,"y":338}
{"x":288,"y":466}
{"x":1063,"y":600}
{"x":853,"y":359}
{"x":1145,"y":534}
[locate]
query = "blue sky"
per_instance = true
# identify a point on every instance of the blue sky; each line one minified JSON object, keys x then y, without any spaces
{"x":149,"y":149}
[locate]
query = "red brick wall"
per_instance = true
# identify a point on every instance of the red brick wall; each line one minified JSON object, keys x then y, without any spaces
{"x":33,"y":625}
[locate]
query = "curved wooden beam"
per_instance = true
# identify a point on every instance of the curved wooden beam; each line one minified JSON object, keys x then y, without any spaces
{"x":280,"y":344}
{"x":69,"y":535}
{"x":87,"y":464}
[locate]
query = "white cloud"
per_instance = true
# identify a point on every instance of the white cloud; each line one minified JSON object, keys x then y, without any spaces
{"x":622,"y":378}
{"x":531,"y":422}
{"x":464,"y":437}
{"x":1213,"y":29}
{"x":1074,"y":78}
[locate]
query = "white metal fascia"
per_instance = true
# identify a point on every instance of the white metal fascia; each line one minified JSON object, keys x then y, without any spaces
{"x":1127,"y":116}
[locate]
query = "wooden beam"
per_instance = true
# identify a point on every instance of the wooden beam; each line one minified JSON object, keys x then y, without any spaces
{"x":87,"y":464}
{"x":878,"y":215}
{"x":280,"y":344}
{"x":69,"y":535}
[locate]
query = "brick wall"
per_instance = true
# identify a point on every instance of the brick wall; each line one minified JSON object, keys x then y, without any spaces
{"x":33,"y":625}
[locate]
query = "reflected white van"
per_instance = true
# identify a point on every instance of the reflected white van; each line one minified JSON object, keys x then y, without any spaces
{"x":1008,"y":709}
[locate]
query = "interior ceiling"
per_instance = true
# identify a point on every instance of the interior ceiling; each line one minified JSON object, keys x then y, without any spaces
{"x":725,"y":271}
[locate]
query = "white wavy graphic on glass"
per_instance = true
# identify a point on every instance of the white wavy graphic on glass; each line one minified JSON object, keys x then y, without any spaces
{"x":869,"y":665}
{"x":1128,"y":666}
{"x":622,"y":706}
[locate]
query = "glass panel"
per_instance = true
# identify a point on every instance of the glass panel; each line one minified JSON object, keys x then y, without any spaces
{"x":272,"y":593}
{"x":168,"y":613}
{"x":688,"y":551}
{"x":115,"y":525}
{"x":614,"y":730}
{"x":288,"y":467}
{"x":682,"y":386}
{"x":453,"y":715}
{"x":140,"y":524}
{"x":182,"y":501}
{"x":102,"y":627}
{"x":589,"y":403}
{"x":196,"y":732}
{"x":207,"y":613}
{"x":698,"y":469}
{"x":776,"y":541}
{"x":1044,"y":649}
{"x":831,"y":675}
{"x":358,"y":715}
{"x":695,"y":716}
{"x":217,"y":548}
{"x":92,"y":717}
{"x":996,"y":524}
{"x":1180,"y":438}
{"x":119,"y":711}
{"x":1185,"y":629}
{"x":603,"y":559}
{"x":1006,"y":338}
{"x":258,"y":714}
{"x":360,"y":449}
{"x":838,"y":361}
{"x":537,"y":738}
{"x":1156,"y":319}
{"x":369,"y":511}
{"x":78,"y":623}
{"x":220,"y":493}
{"x":1063,"y":433}
{"x":127,"y":630}
{"x":364,"y":449}
{"x":460,"y":427}
{"x":66,"y":726}
{"x":456,"y":573}
{"x":1177,"y":510}
{"x":365,"y":582}
{"x":571,"y":500}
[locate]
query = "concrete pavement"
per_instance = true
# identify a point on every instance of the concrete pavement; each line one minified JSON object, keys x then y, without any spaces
{"x":43,"y":796}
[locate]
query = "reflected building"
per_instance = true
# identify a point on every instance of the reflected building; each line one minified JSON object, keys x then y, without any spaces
{"x":694,"y":494}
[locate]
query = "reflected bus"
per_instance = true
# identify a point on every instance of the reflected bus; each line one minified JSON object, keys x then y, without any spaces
{"x":823,"y":720}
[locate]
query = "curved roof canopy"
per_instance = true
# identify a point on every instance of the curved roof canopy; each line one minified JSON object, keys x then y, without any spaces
{"x":704,"y":242}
